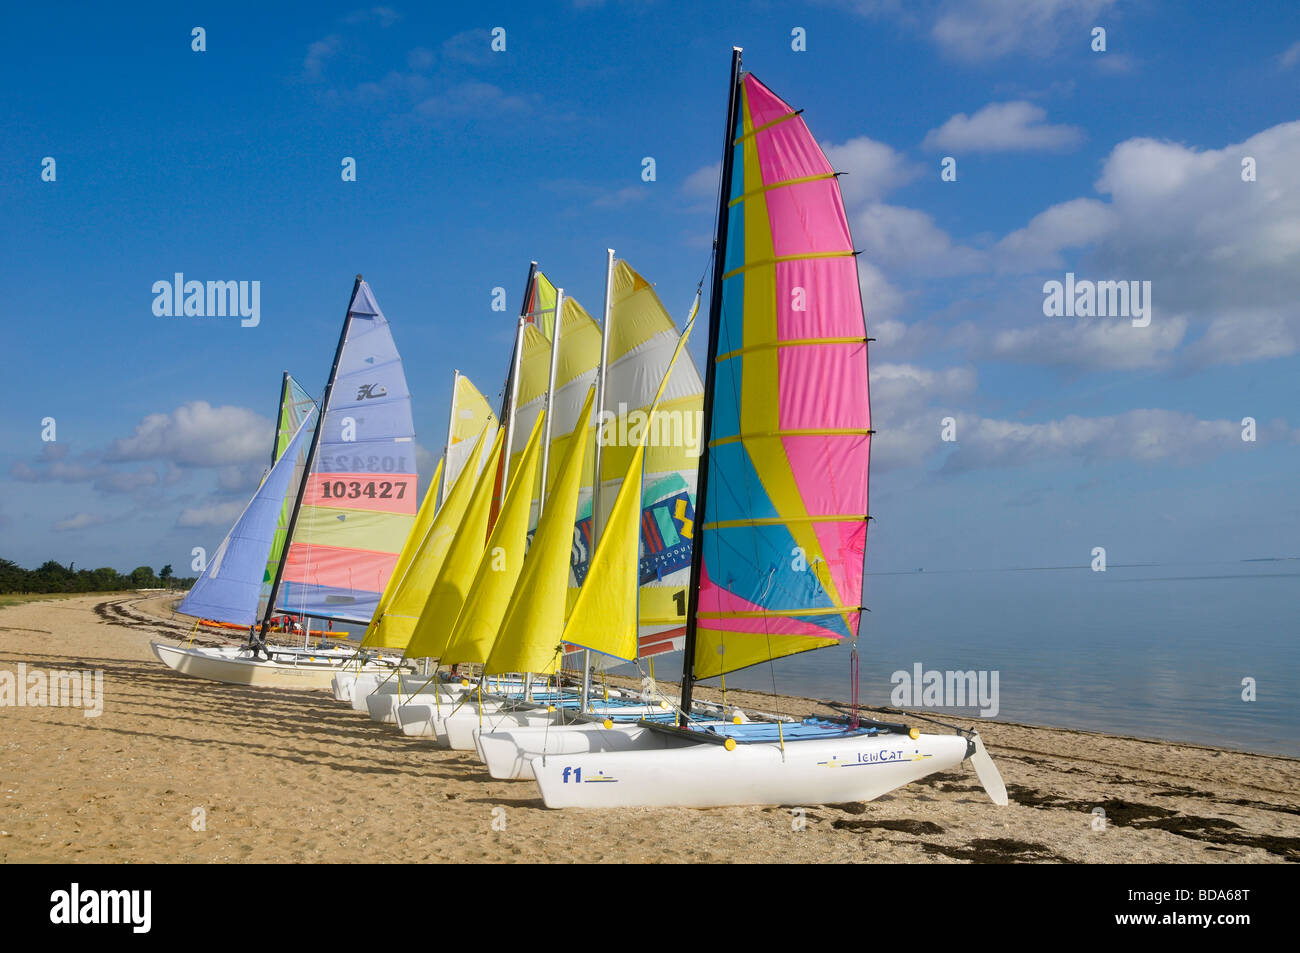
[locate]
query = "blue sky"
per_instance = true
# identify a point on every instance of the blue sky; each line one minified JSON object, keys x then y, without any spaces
{"x":225,"y":164}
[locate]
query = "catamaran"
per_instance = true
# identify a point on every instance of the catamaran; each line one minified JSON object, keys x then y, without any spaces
{"x":351,"y":478}
{"x":781,"y":505}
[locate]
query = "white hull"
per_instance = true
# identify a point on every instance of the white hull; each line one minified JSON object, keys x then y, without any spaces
{"x":419,"y":717}
{"x":230,"y":666}
{"x":509,"y":750}
{"x":368,"y":686}
{"x":667,"y":771}
{"x":453,"y":723}
{"x":382,"y":706}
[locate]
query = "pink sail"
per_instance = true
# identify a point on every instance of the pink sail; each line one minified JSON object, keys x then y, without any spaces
{"x":785,"y":529}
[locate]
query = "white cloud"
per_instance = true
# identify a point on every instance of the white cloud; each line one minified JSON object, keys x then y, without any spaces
{"x":880,"y":300}
{"x":1221,"y":254}
{"x":903,"y":238}
{"x":1002,"y":127}
{"x":235,"y":479}
{"x":1290,"y":56}
{"x":126,"y":481}
{"x":1038,"y":245}
{"x":1093,"y":343}
{"x":974,"y":30}
{"x":384,"y":16}
{"x":469,"y":46}
{"x":897,"y":387}
{"x":1247,"y":335}
{"x":1147,"y":436}
{"x":210,"y":514}
{"x":78,"y":521}
{"x":903,"y":411}
{"x":871,"y":169}
{"x":1221,"y":250}
{"x":471,"y":98}
{"x":318,"y":54}
{"x":197,"y":435}
{"x":420,"y":58}
{"x":703,"y":182}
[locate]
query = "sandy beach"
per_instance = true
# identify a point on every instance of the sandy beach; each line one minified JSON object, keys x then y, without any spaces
{"x":285,"y":776}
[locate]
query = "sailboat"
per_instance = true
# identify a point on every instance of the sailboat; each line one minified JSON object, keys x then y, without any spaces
{"x":352,"y":507}
{"x":781,"y":507}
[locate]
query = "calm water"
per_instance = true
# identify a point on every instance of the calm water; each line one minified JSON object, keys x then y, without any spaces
{"x":1152,"y":651}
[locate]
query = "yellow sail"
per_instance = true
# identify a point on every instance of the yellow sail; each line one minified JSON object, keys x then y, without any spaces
{"x":642,"y":341}
{"x":448,"y":594}
{"x":485,"y":604}
{"x":470,"y":412}
{"x":604,"y":617}
{"x":534,"y":621}
{"x":423,"y":520}
{"x":392,"y":628}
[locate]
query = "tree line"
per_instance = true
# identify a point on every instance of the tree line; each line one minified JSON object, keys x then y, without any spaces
{"x":51,"y":576}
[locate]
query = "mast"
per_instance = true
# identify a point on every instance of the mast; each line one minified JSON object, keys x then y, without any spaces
{"x":546,"y":436}
{"x":511,"y":399}
{"x":451,"y":426}
{"x":710,"y":368}
{"x":311,"y":458}
{"x":550,"y":400}
{"x":601,"y":369}
{"x":279,"y":419}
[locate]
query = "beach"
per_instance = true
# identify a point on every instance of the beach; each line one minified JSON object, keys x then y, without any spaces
{"x":176,"y":769}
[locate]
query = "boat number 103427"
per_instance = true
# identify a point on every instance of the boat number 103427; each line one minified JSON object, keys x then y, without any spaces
{"x":354,"y":489}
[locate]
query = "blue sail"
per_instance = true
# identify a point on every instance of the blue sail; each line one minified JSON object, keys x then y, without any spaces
{"x":230,"y":586}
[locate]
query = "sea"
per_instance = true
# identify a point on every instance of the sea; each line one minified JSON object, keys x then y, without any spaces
{"x":1204,"y":653}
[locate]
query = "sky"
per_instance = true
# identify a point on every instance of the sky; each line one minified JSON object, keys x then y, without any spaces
{"x":1128,"y":163}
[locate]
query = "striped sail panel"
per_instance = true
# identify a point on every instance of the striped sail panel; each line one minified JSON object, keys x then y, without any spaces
{"x":479,"y":622}
{"x":470,"y":413}
{"x":605,"y":614}
{"x":295,"y":405}
{"x":444,"y":599}
{"x":362,"y":484}
{"x":533,"y":626}
{"x":392,"y":628}
{"x":643,"y":342}
{"x":229,"y":588}
{"x":785,"y":529}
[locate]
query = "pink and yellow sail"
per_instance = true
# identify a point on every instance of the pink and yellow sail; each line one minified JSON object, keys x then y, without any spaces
{"x":785,"y":522}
